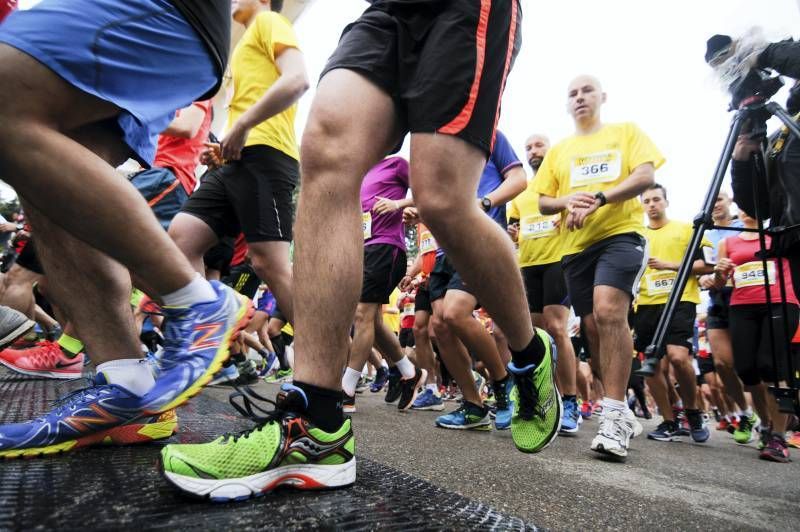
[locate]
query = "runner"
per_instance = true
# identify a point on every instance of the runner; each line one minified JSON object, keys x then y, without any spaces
{"x":593,"y":179}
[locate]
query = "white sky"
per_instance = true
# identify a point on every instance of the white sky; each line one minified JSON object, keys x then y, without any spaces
{"x":647,"y":53}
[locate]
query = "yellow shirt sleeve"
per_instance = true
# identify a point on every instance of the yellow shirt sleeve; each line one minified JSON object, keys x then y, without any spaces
{"x":275,"y":34}
{"x":513,"y":210}
{"x":546,"y":180}
{"x":641,"y":149}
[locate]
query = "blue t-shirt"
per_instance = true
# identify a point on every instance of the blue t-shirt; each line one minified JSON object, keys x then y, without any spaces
{"x":715,"y":236}
{"x":500,"y":161}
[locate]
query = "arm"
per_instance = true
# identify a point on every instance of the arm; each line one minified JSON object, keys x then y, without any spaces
{"x":724,"y":266}
{"x":288,"y":88}
{"x":640,"y":179}
{"x":514,"y":183}
{"x":187,"y":123}
{"x":386,"y":205}
{"x":783,"y":56}
{"x":412,"y":271}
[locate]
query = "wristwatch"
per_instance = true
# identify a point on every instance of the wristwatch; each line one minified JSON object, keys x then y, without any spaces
{"x":486,"y":203}
{"x":602,"y":197}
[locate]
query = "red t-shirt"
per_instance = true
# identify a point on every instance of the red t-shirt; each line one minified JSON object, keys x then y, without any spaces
{"x":748,"y":277}
{"x":407,"y":312}
{"x":240,"y":250}
{"x":183,"y":155}
{"x":6,"y":7}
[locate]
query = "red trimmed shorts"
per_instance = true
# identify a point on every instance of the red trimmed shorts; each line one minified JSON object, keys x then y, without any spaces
{"x":443,"y":62}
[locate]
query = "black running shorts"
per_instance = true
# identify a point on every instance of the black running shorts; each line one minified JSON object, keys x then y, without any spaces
{"x":384,"y":268}
{"x":252,"y":195}
{"x":29,"y":259}
{"x":444,"y":277}
{"x":219,"y":257}
{"x":680,"y":331}
{"x":243,"y":279}
{"x":443,"y":62}
{"x":406,"y":337}
{"x":617,"y":261}
{"x":544,"y":285}
{"x":422,"y":302}
{"x":720,"y":302}
{"x":706,"y":365}
{"x":752,"y":346}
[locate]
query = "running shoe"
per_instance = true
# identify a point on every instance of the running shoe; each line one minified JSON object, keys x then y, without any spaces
{"x":597,"y":408}
{"x":13,"y":324}
{"x":745,"y":433}
{"x":196,"y":343}
{"x":480,"y":384}
{"x":280,"y":376}
{"x":266,"y":365}
{"x":348,"y":403}
{"x":45,"y":359}
{"x":698,"y":427}
{"x":394,"y":390}
{"x":466,"y":416}
{"x":570,"y":418}
{"x":363,"y":385}
{"x":723,"y":424}
{"x":409,"y":389}
{"x":794,"y":440}
{"x":428,"y":400}
{"x":734,"y":425}
{"x":586,"y":409}
{"x":614,"y":435}
{"x":667,"y":430}
{"x":283,"y":448}
{"x":775,"y":449}
{"x":381,"y":378}
{"x":682,"y":421}
{"x":504,"y":406}
{"x":101,"y":413}
{"x":225,"y":375}
{"x":537,"y":403}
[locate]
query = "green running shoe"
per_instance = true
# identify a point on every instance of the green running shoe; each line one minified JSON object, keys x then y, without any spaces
{"x":745,"y":434}
{"x":282,"y":375}
{"x":537,"y":403}
{"x":284,"y":448}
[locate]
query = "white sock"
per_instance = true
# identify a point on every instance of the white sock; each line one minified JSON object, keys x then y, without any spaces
{"x":133,"y":374}
{"x":406,"y":368}
{"x":433,"y":388}
{"x":748,"y":412}
{"x":197,"y":291}
{"x":350,"y":380}
{"x":612,"y":404}
{"x":384,"y":364}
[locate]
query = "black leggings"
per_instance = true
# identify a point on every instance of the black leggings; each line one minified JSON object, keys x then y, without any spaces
{"x":752,"y":348}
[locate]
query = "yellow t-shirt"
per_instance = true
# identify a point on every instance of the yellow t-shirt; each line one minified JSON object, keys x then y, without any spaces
{"x":254,"y":70}
{"x":669,"y":244}
{"x":288,"y":329}
{"x":591,"y":163}
{"x":539,"y":239}
{"x":392,"y":317}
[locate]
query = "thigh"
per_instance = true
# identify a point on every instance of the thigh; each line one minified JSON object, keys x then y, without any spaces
{"x":622,"y":262}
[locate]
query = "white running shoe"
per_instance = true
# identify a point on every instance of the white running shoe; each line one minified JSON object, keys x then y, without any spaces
{"x":614,"y":435}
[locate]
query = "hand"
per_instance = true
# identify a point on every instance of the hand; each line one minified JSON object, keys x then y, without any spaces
{"x":745,"y":148}
{"x":706,"y":282}
{"x":405,"y":283}
{"x":513,"y":231}
{"x":233,"y":142}
{"x":385,"y":206}
{"x":575,"y":329}
{"x":7,"y":227}
{"x":211,"y":156}
{"x":577,"y":218}
{"x":658,"y":264}
{"x":724,"y":267}
{"x":580,"y":200}
{"x":411,"y":216}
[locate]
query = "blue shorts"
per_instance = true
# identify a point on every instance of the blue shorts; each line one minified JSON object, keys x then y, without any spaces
{"x":164,"y":193}
{"x":142,"y":56}
{"x":267,"y":303}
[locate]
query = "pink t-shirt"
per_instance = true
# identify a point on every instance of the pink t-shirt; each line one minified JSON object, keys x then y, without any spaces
{"x":387,"y":179}
{"x":748,"y":277}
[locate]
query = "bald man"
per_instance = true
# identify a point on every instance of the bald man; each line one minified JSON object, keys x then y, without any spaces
{"x":535,"y":149}
{"x":592,"y":179}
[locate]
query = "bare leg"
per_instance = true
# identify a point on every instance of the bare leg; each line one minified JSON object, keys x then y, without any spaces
{"x":616,"y":344}
{"x":18,"y":289}
{"x":681,"y":362}
{"x":387,"y":341}
{"x":720,"y":342}
{"x":555,"y":317}
{"x":658,"y":389}
{"x":422,"y":341}
{"x":193,"y":237}
{"x":364,"y":336}
{"x":454,"y":356}
{"x":271,"y":262}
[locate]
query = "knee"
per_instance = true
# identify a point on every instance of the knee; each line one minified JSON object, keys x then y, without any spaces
{"x":453,"y":318}
{"x":274,"y":272}
{"x":364,"y":318}
{"x":609,"y":315}
{"x":324,"y":147}
{"x":557,"y":329}
{"x":420,"y":330}
{"x":440,"y":328}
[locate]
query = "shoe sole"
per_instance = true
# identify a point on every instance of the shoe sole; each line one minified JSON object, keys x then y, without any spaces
{"x":124,"y":435}
{"x":9,"y":338}
{"x":474,"y":426}
{"x":243,"y":317}
{"x":600,"y":448}
{"x":664,"y":438}
{"x":349,"y":410}
{"x":422,"y":376}
{"x":304,"y":477}
{"x":45,"y":374}
{"x":435,"y":408}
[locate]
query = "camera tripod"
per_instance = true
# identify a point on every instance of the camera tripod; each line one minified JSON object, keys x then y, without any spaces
{"x":755,"y":110}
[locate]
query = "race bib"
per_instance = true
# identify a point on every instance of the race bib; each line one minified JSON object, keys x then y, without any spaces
{"x":408,"y":310}
{"x":538,"y":226}
{"x":427,"y":244}
{"x":601,"y":167}
{"x":752,"y":274}
{"x":366,"y":224}
{"x":659,"y":282}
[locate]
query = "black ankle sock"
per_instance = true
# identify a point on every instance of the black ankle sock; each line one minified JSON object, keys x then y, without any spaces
{"x":501,"y":384}
{"x":532,"y":354}
{"x":324,"y":406}
{"x":566,"y":398}
{"x":280,"y":350}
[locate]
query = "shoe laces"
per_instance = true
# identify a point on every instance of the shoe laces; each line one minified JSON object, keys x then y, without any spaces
{"x":70,"y":399}
{"x":245,"y":400}
{"x":177,"y":328}
{"x":613,"y":424}
{"x":666,"y":426}
{"x":528,"y":396}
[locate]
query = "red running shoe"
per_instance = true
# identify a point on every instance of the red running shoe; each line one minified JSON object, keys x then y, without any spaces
{"x":45,"y":359}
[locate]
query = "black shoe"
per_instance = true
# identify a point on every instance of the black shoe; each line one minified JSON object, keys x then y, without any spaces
{"x":409,"y":388}
{"x":348,"y":403}
{"x":393,"y":391}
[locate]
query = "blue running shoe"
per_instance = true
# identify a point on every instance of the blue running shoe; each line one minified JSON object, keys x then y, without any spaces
{"x":381,"y":378}
{"x":666,"y":431}
{"x":467,"y":416}
{"x":227,"y":374}
{"x":698,"y":427}
{"x":571,"y":418}
{"x":101,"y":413}
{"x":504,"y":406}
{"x":196,"y":343}
{"x":428,"y":401}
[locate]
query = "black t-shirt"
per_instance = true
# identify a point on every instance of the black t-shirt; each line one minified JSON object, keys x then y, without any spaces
{"x":211,"y":19}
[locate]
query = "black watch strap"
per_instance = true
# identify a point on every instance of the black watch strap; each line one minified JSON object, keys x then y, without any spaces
{"x":601,"y":197}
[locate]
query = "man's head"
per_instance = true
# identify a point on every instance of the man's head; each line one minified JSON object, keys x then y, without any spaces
{"x":244,"y":10}
{"x":535,"y":149}
{"x":722,"y":206}
{"x":585,"y":96}
{"x":655,"y":202}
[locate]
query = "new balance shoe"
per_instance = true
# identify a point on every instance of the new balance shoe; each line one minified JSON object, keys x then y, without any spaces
{"x":409,"y":389}
{"x":775,"y":449}
{"x":745,"y":432}
{"x":381,"y":378}
{"x":667,"y":430}
{"x":698,"y":427}
{"x":467,"y":416}
{"x":537,"y":403}
{"x":504,"y":405}
{"x":348,"y":403}
{"x":570,"y":419}
{"x":393,"y":390}
{"x":614,"y":435}
{"x":428,"y":400}
{"x":45,"y":359}
{"x":13,"y":324}
{"x":283,"y":448}
{"x":196,"y":343}
{"x":101,"y":413}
